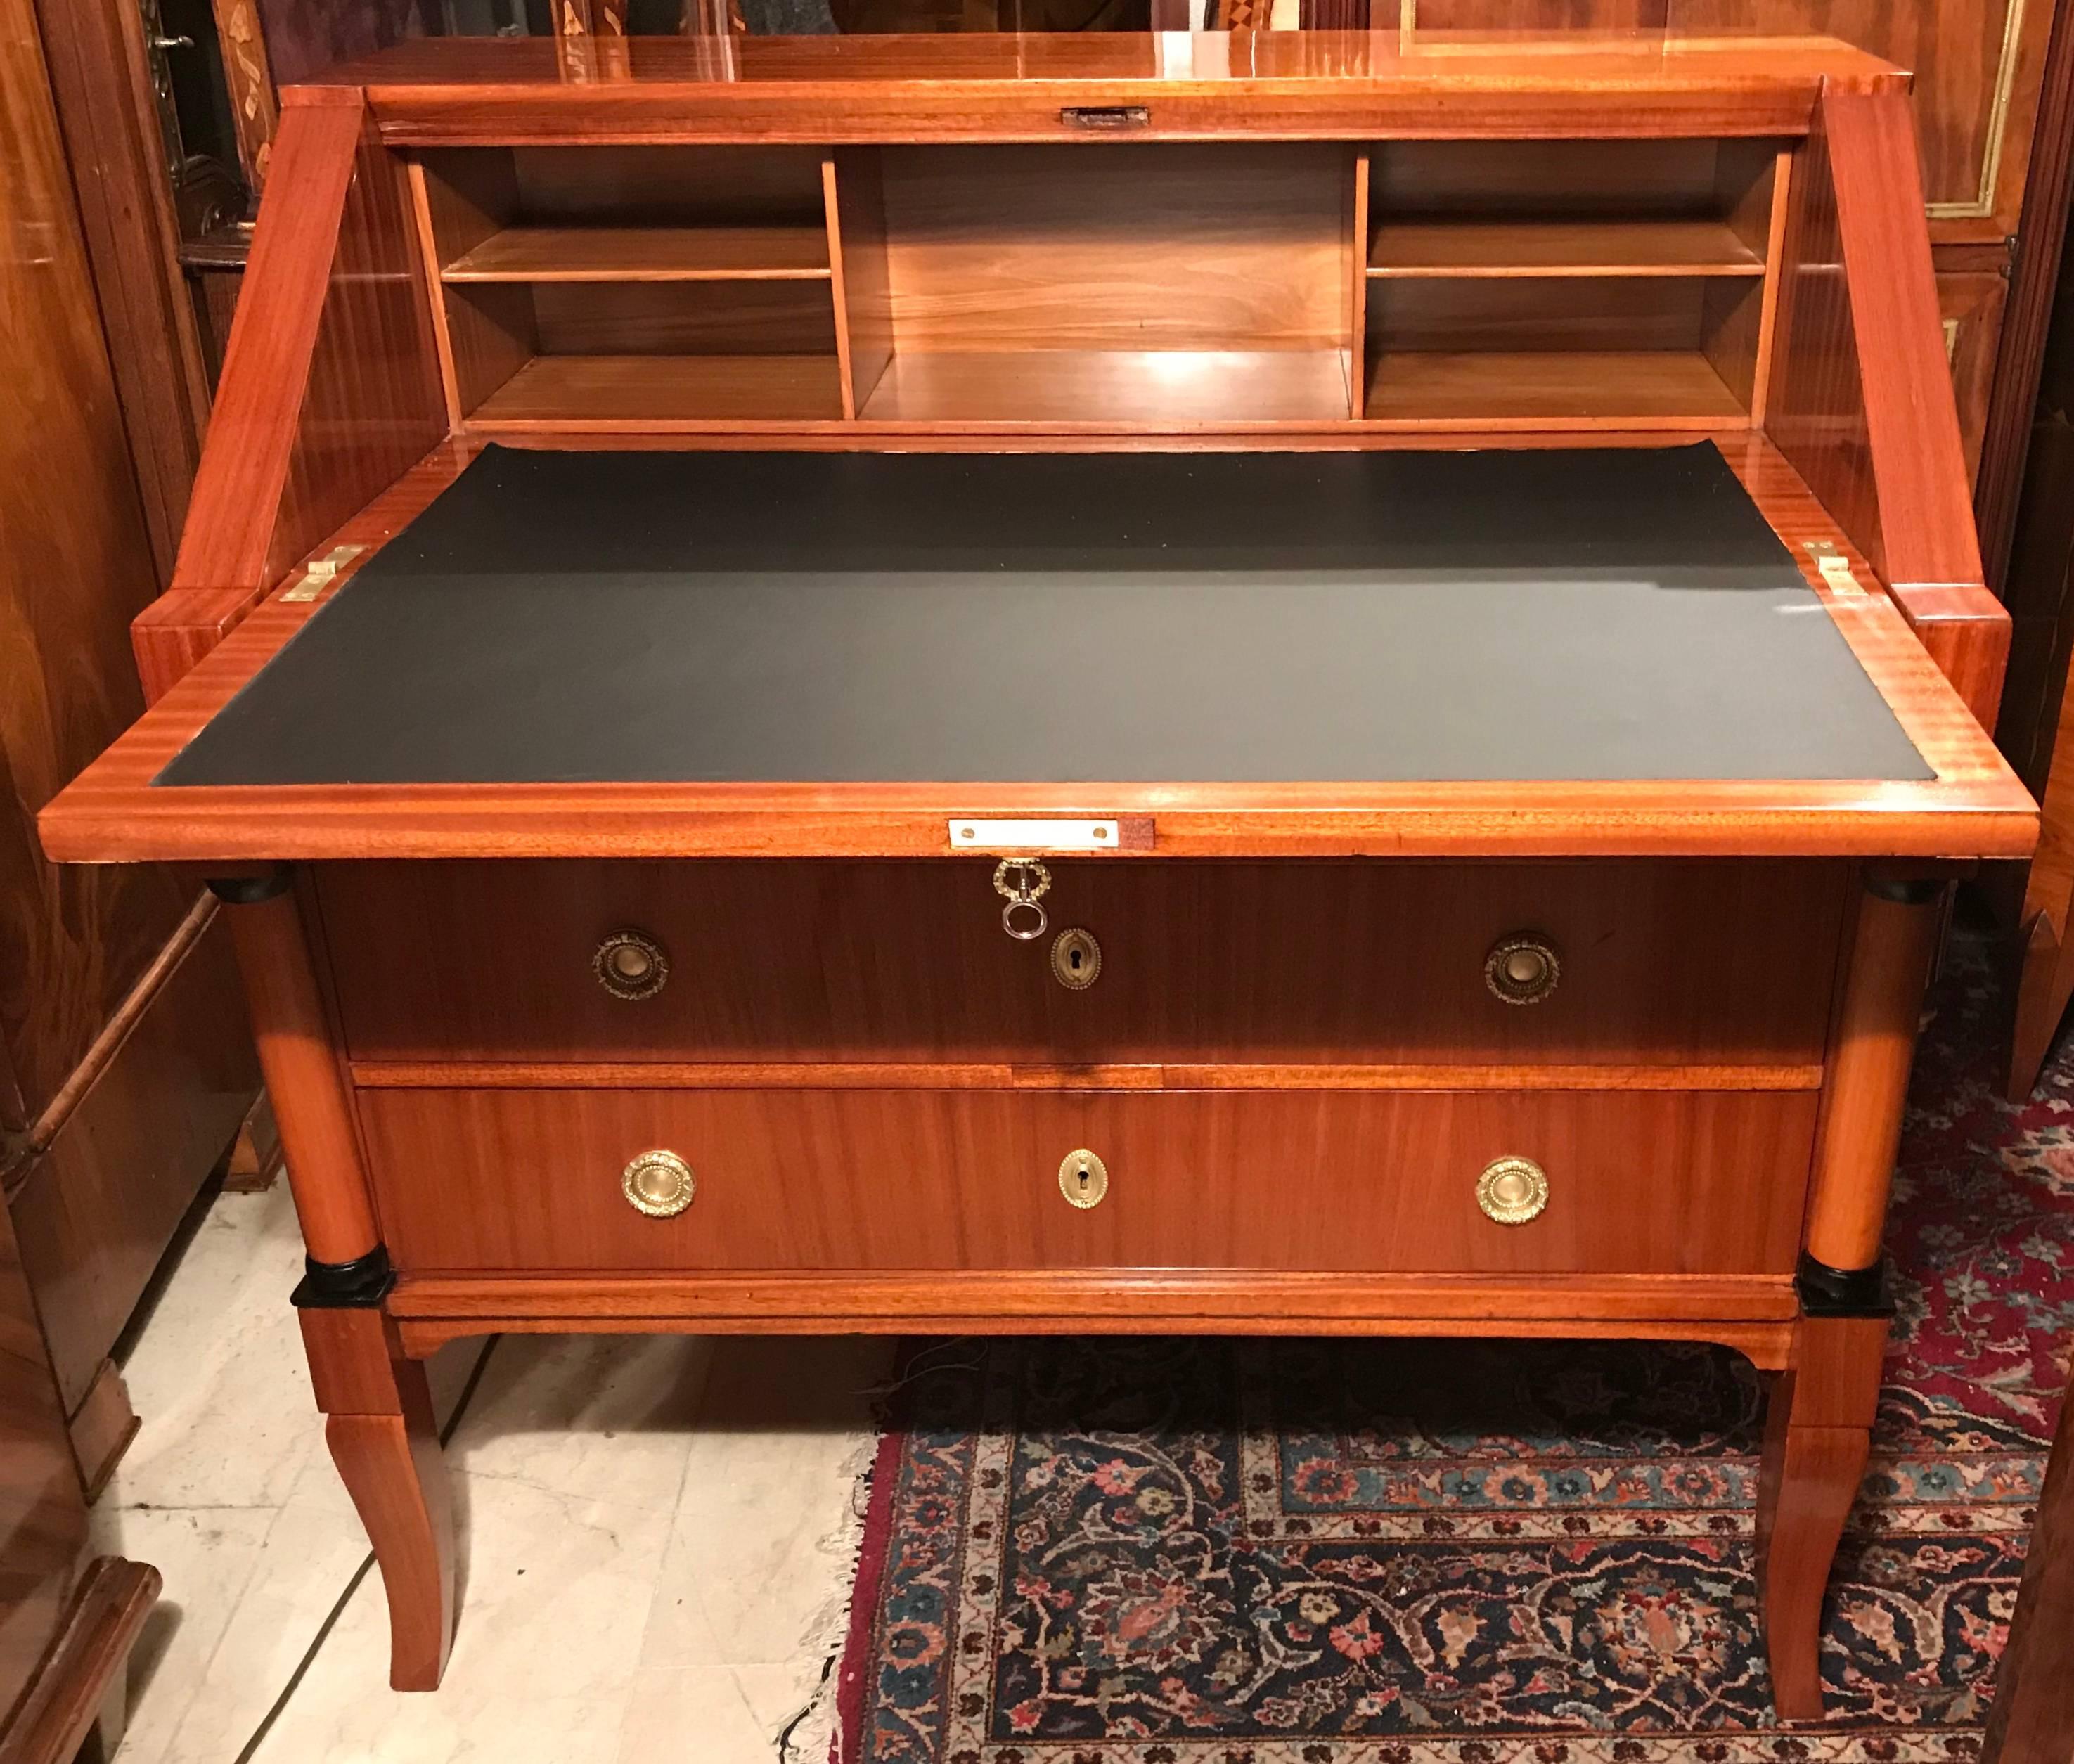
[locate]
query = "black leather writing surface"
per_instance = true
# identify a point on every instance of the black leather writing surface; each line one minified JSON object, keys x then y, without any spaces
{"x":662,"y":616}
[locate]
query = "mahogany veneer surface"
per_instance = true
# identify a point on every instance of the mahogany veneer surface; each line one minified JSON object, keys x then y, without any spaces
{"x":1641,"y":1183}
{"x":625,"y":618}
{"x":1337,"y":964}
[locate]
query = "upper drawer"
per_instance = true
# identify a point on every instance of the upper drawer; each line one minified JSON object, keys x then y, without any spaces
{"x":1327,"y":961}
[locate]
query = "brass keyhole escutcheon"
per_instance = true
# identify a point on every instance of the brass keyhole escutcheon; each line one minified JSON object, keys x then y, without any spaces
{"x":1513,"y":1191}
{"x":1522,"y":969}
{"x":630,"y":964}
{"x":1076,"y":959}
{"x":660,"y":1183}
{"x":1083,"y":1178}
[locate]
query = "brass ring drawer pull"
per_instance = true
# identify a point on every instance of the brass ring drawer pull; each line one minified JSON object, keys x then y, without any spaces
{"x":1524,"y":970}
{"x":660,"y":1183}
{"x":1513,"y":1191}
{"x":1083,"y":1180}
{"x":631,"y":965}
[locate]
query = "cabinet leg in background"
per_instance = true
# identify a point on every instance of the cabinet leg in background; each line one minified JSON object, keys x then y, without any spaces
{"x":378,"y":1423}
{"x":2042,"y":992}
{"x":1818,"y":1433}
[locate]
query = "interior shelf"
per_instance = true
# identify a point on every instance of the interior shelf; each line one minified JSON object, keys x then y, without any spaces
{"x":646,"y":253}
{"x":629,"y":391}
{"x":1561,"y":247}
{"x":1588,"y":385}
{"x":1111,"y":386}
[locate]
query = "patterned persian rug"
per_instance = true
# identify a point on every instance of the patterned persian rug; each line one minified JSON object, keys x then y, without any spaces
{"x":1163,"y":1551}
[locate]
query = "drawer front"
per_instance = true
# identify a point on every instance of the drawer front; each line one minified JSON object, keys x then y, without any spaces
{"x":1661,"y":963}
{"x":1655,"y":1182}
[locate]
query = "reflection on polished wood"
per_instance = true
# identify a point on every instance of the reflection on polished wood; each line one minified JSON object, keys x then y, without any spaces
{"x":644,"y":254}
{"x":1503,"y":248}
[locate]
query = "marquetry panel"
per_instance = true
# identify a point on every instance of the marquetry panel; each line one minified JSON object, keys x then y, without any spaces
{"x":1639,"y":1183}
{"x":1333,"y":962}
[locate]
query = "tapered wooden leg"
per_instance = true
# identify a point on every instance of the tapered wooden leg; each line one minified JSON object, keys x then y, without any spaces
{"x":1817,"y":1436}
{"x":379,"y":1426}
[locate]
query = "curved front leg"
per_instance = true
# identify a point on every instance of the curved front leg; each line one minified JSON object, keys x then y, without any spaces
{"x":378,"y":1423}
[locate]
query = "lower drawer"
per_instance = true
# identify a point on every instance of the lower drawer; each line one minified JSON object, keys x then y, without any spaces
{"x":1637,"y":1182}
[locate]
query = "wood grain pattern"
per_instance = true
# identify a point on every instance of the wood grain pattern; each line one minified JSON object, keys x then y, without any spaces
{"x":1755,"y":1312}
{"x":1309,"y":84}
{"x":2031,"y":1719}
{"x":75,"y":564}
{"x":97,"y":1206}
{"x":108,"y":113}
{"x":1334,"y":964}
{"x":1889,"y":966}
{"x":1374,"y":1181}
{"x":1817,"y":1440}
{"x":291,"y":1026}
{"x":1867,"y":419}
{"x":43,"y":1515}
{"x":1918,"y":462}
{"x":932,"y":1075}
{"x":1580,"y":389}
{"x":331,"y":385}
{"x":1111,"y":389}
{"x":1561,"y":248}
{"x":658,"y":254}
{"x":990,"y":249}
{"x":82,"y":1678}
{"x":379,"y":1425}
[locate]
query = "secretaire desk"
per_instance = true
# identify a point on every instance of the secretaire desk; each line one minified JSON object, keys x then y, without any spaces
{"x":1279,"y":683}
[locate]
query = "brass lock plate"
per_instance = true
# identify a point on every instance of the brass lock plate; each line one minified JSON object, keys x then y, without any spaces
{"x":1076,"y":959}
{"x":1083,"y":1179}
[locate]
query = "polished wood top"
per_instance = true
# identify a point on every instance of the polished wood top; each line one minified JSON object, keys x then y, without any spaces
{"x":1274,"y":83}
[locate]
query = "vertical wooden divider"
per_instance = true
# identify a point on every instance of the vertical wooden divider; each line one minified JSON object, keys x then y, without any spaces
{"x":1357,"y":295}
{"x":844,"y":372}
{"x":428,"y":264}
{"x":1774,"y":275}
{"x":856,"y":264}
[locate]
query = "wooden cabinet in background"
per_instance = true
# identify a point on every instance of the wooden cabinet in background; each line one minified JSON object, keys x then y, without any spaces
{"x":126,"y":1062}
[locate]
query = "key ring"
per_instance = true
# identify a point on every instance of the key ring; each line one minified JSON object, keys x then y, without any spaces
{"x":1034,"y":881}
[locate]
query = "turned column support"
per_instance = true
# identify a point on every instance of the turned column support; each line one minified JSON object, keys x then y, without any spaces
{"x":296,"y":1056}
{"x":1874,"y":1046}
{"x":378,"y":1409}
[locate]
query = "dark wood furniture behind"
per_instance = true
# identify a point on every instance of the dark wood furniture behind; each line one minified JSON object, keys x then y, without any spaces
{"x":494,"y":1094}
{"x":125,"y":1063}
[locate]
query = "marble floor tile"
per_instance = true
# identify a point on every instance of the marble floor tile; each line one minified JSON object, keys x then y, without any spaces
{"x":568,"y":1463}
{"x":310,"y":1555}
{"x":207,"y":1557}
{"x":658,"y":1537}
{"x":762,"y":1548}
{"x":216,"y":1374}
{"x":717,"y":1715}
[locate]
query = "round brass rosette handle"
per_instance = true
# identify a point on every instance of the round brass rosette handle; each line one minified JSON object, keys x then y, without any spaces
{"x":631,"y":965}
{"x":1523,"y":970}
{"x":660,"y":1183}
{"x":1083,"y":1180}
{"x":1513,"y":1190}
